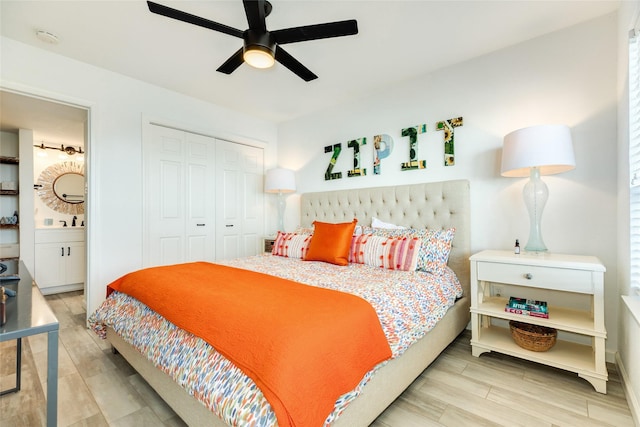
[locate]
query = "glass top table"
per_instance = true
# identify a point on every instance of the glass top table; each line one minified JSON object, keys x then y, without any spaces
{"x":28,"y":314}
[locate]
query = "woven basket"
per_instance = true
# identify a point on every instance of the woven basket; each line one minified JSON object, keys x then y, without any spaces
{"x":533,"y":337}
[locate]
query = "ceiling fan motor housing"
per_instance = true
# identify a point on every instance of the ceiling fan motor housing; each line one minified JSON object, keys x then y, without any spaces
{"x":261,"y":41}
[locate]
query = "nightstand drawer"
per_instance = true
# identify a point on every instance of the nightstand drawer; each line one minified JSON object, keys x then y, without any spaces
{"x":536,"y":277}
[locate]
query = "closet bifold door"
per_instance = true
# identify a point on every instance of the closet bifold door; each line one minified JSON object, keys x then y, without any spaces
{"x":239,"y":200}
{"x":179,"y":197}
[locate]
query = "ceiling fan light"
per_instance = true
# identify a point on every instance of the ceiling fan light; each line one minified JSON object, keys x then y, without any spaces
{"x":258,"y":57}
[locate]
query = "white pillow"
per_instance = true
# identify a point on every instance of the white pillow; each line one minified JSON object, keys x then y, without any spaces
{"x":376,"y":223}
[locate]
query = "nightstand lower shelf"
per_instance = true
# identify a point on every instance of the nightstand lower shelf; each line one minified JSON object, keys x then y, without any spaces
{"x":565,"y":355}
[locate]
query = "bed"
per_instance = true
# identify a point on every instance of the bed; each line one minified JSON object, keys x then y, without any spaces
{"x":429,"y":205}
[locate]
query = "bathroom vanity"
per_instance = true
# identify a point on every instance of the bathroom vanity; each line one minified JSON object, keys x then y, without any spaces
{"x":60,"y":259}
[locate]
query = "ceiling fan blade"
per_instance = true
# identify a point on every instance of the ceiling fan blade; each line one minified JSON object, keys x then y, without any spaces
{"x":255,"y":12}
{"x":292,"y":64}
{"x":232,"y":63}
{"x":315,"y":32}
{"x":193,"y":19}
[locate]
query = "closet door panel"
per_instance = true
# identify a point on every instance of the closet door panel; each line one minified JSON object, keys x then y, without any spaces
{"x":179,"y":197}
{"x":199,"y":245}
{"x":253,"y":199}
{"x":165,"y":197}
{"x":203,"y":198}
{"x":253,"y":207}
{"x":230,"y":247}
{"x":169,"y":250}
{"x":168,"y":224}
{"x":200,"y":193}
{"x":239,"y":182}
{"x":229,"y":225}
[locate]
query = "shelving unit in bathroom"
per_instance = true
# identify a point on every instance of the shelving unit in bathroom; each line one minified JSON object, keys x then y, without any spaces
{"x":9,"y":249}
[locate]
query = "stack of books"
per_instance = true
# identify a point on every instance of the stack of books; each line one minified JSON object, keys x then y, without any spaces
{"x":527,"y":307}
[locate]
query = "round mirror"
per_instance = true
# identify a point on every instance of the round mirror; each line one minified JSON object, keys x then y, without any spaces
{"x":61,"y":187}
{"x":69,"y":187}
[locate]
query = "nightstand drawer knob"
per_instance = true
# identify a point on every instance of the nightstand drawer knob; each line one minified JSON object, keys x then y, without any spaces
{"x":528,"y":276}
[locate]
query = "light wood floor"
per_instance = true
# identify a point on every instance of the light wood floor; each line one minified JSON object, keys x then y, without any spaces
{"x":97,"y":388}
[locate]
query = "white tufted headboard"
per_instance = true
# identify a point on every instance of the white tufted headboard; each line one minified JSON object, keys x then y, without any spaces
{"x":434,"y":205}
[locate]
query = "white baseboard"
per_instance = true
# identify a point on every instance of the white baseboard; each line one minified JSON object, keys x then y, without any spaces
{"x":634,"y":405}
{"x":63,"y":288}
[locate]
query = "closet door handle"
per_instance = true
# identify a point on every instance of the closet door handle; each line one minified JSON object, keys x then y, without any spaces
{"x":62,"y":249}
{"x":199,"y":225}
{"x":229,"y":225}
{"x":68,"y":250}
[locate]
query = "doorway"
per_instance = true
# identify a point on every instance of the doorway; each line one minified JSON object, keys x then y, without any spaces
{"x":52,"y":136}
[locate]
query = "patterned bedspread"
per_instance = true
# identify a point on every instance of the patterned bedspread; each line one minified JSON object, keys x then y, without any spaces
{"x":408,"y":305}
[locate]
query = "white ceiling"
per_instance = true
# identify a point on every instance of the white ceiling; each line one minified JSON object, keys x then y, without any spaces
{"x":53,"y":124}
{"x":397,"y":41}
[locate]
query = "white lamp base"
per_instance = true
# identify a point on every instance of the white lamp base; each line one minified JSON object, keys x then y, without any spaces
{"x":282,"y":203}
{"x":535,"y":194}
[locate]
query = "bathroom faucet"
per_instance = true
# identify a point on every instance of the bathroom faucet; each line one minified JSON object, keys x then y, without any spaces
{"x":73,"y":221}
{"x":64,"y":223}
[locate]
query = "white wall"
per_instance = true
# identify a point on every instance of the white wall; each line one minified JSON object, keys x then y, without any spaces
{"x":118,"y":107}
{"x":27,"y":201}
{"x":567,"y":77}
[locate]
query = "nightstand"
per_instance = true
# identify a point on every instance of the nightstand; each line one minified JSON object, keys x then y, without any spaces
{"x":268,"y":243}
{"x":559,"y":277}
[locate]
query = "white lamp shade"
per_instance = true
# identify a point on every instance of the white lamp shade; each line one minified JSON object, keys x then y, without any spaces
{"x":280,"y":180}
{"x":547,"y":147}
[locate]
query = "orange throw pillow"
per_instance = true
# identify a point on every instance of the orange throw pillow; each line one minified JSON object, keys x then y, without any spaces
{"x":331,"y":242}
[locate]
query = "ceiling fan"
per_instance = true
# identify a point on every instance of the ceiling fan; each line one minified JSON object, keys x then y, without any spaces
{"x":262,"y":47}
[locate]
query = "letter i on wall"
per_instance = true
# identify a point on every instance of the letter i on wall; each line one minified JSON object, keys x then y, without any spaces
{"x":449,"y":149}
{"x":413,"y":162}
{"x":357,"y":170}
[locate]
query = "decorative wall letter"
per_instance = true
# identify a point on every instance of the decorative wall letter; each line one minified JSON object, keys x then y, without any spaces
{"x":382,"y":147}
{"x":337,"y":148}
{"x":413,"y":162}
{"x":447,"y":126}
{"x":357,"y":170}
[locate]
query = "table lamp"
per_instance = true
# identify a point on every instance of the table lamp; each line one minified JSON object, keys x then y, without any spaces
{"x":535,"y":151}
{"x":280,"y":181}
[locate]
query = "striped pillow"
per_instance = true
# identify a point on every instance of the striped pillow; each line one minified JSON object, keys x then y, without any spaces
{"x":291,"y":245}
{"x":366,"y":249}
{"x":402,"y":253}
{"x":298,"y":245}
{"x":280,"y":244}
{"x":435,"y":248}
{"x":395,"y":253}
{"x":356,"y":251}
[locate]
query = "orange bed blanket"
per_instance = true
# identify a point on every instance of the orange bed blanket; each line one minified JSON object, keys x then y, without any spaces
{"x":303,"y":346}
